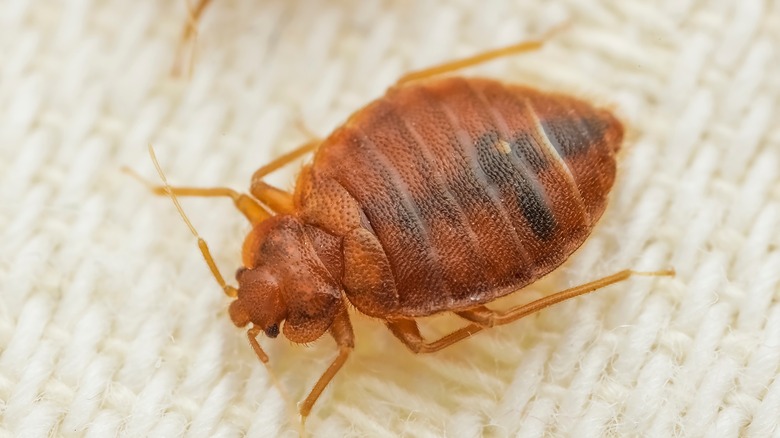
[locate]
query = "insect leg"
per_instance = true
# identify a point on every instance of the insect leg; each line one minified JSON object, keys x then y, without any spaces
{"x":253,"y":211}
{"x":341,"y":330}
{"x":406,"y":331}
{"x":277,"y":199}
{"x":252,"y":335}
{"x":489,"y":55}
{"x":481,"y":317}
{"x":188,"y":35}
{"x":488,"y":318}
{"x":286,"y":159}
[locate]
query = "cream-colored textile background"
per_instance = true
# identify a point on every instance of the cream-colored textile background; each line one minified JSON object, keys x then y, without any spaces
{"x":110,"y":323}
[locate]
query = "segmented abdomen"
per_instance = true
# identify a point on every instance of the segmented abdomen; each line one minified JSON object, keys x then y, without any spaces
{"x":474,"y":188}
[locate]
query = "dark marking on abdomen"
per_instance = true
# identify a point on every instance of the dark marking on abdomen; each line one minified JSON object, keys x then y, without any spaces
{"x":516,"y":181}
{"x":573,"y":136}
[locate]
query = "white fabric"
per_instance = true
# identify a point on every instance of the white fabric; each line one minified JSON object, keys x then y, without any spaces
{"x":110,"y":323}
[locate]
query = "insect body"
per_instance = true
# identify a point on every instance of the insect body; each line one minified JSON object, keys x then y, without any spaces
{"x":443,"y":195}
{"x":458,"y":191}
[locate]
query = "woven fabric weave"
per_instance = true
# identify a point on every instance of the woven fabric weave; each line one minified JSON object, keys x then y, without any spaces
{"x":111,"y":325}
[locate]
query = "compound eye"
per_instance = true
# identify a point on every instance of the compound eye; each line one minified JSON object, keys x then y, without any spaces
{"x":272,"y":331}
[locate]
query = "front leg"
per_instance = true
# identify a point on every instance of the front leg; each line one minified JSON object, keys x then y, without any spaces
{"x":341,"y":330}
{"x":253,"y":211}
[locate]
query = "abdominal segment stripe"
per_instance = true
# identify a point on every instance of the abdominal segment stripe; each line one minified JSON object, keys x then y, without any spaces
{"x":412,"y":223}
{"x":553,"y":152}
{"x":532,"y":196}
{"x":469,"y":151}
{"x":452,"y":200}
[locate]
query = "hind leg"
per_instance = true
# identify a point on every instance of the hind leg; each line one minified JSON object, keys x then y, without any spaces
{"x":485,"y":317}
{"x":406,"y":330}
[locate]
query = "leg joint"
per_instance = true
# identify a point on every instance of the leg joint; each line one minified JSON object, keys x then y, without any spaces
{"x":481,"y":316}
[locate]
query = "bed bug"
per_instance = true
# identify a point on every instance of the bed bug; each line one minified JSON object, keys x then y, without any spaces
{"x":443,"y":195}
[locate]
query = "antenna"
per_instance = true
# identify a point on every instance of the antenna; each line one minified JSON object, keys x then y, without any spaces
{"x":204,"y":248}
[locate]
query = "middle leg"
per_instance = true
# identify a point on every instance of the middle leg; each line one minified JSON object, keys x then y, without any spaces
{"x":480,"y":58}
{"x":276,"y":199}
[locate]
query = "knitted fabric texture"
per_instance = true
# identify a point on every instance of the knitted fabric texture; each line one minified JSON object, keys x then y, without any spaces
{"x":112,"y":325}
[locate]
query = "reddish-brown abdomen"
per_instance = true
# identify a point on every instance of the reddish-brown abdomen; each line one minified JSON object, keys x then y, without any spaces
{"x":472,"y":187}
